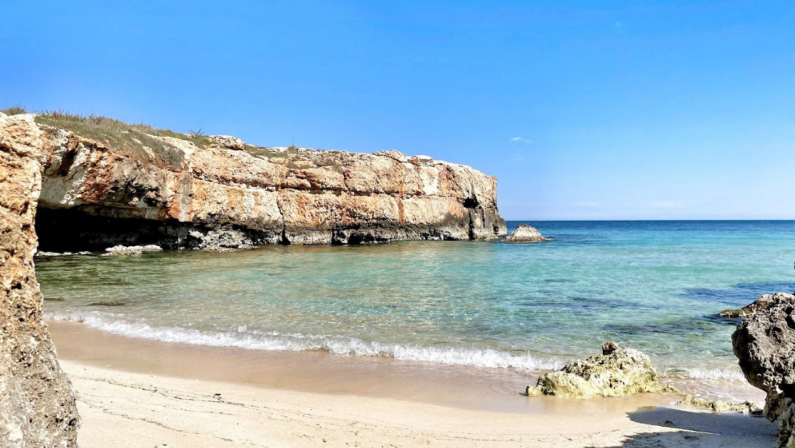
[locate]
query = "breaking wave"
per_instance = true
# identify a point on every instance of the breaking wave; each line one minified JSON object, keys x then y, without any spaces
{"x":336,"y":345}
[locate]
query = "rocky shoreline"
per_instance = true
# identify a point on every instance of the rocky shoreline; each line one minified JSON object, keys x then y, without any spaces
{"x":124,"y":186}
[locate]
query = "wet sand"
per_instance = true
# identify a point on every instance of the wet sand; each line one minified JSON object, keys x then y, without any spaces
{"x":135,"y":392}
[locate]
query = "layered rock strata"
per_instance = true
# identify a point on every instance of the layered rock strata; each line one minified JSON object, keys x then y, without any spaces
{"x":615,"y":373}
{"x":176,"y":194}
{"x":37,"y":403}
{"x":764,"y":343}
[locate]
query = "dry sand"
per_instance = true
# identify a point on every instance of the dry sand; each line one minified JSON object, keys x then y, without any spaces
{"x":144,"y":400}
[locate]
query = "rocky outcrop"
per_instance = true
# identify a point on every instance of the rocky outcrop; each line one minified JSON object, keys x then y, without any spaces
{"x":177,"y":194}
{"x":37,"y":403}
{"x":615,"y":373}
{"x":525,"y":234}
{"x":764,"y":343}
{"x":761,"y":303}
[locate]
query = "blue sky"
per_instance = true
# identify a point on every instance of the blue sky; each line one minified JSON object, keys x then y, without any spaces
{"x":582,"y":109}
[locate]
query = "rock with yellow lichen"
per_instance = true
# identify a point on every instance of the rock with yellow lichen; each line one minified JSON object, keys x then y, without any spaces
{"x":615,"y":373}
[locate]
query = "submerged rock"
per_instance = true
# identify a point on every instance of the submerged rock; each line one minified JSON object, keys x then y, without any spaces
{"x":764,"y":343}
{"x":525,"y":234}
{"x":615,"y":373}
{"x":37,"y":402}
{"x":761,"y":303}
{"x":720,"y":406}
{"x":131,"y":250}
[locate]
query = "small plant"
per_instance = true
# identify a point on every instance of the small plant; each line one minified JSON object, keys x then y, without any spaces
{"x":14,"y":110}
{"x":196,"y":134}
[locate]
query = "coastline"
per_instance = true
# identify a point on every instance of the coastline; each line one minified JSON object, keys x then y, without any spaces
{"x":133,"y":392}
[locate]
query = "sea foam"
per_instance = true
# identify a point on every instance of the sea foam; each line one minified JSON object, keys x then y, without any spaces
{"x":336,"y":345}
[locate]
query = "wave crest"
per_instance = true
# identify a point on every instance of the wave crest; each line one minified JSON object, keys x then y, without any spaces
{"x":336,"y":345}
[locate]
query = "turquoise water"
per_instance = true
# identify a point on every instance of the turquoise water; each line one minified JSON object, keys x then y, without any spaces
{"x":655,"y":286}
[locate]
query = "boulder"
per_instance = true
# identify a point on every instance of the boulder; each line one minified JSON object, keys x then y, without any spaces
{"x":37,"y":402}
{"x":615,"y":373}
{"x":227,"y":141}
{"x":764,"y":343}
{"x":525,"y":234}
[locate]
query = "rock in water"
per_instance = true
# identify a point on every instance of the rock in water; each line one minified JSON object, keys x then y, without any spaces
{"x":525,"y":234}
{"x":615,"y":373}
{"x":132,"y":250}
{"x":762,"y":302}
{"x":37,"y":403}
{"x":764,"y":342}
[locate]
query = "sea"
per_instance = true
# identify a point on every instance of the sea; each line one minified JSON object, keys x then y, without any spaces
{"x":656,"y":286}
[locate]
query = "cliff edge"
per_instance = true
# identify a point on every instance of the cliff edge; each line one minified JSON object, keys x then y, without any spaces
{"x":107,"y":183}
{"x":37,"y":403}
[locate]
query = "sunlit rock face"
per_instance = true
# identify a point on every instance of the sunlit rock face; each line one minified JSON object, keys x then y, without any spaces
{"x":179,"y":195}
{"x":764,"y":343}
{"x":616,"y":372}
{"x":37,"y":402}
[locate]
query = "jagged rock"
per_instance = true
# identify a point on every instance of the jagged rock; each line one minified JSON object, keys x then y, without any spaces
{"x":615,"y":373}
{"x":525,"y":234}
{"x":178,"y":195}
{"x":762,"y":302}
{"x":227,"y":141}
{"x":132,"y":250}
{"x":720,"y":406}
{"x":764,"y":343}
{"x":37,"y":403}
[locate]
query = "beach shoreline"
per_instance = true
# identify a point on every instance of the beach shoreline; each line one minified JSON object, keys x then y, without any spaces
{"x":133,"y":392}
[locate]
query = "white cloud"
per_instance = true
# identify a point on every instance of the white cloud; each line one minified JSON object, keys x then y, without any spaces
{"x":521,"y":139}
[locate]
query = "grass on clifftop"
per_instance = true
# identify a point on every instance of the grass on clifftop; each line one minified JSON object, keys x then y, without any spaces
{"x":14,"y":110}
{"x":120,"y":135}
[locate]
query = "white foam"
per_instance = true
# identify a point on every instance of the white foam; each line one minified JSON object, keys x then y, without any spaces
{"x":337,"y":345}
{"x":729,"y":375}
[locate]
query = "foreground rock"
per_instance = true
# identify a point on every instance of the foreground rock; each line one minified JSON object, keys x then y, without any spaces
{"x":764,"y":342}
{"x":761,"y":303}
{"x":37,"y":403}
{"x":615,"y":373}
{"x":525,"y":234}
{"x":177,"y":192}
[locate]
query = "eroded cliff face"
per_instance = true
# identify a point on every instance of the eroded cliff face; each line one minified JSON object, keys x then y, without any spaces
{"x":183,"y":196}
{"x":37,"y":403}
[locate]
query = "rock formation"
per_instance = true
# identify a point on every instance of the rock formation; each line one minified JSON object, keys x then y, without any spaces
{"x":721,"y":406}
{"x":213,"y":192}
{"x":37,"y":403}
{"x":764,"y":342}
{"x":616,"y":372}
{"x":762,"y":302}
{"x":525,"y":234}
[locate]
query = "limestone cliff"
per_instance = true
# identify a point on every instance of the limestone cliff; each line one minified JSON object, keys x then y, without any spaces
{"x":198,"y":192}
{"x":37,"y":403}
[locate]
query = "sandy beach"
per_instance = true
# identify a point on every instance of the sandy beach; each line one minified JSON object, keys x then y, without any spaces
{"x":134,"y":393}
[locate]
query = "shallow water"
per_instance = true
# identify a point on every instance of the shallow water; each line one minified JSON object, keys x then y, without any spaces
{"x":655,"y":286}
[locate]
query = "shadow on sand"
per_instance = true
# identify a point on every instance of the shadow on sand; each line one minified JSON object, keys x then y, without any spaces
{"x":701,"y":429}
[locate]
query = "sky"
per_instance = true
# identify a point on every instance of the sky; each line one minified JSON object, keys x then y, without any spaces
{"x":582,"y":109}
